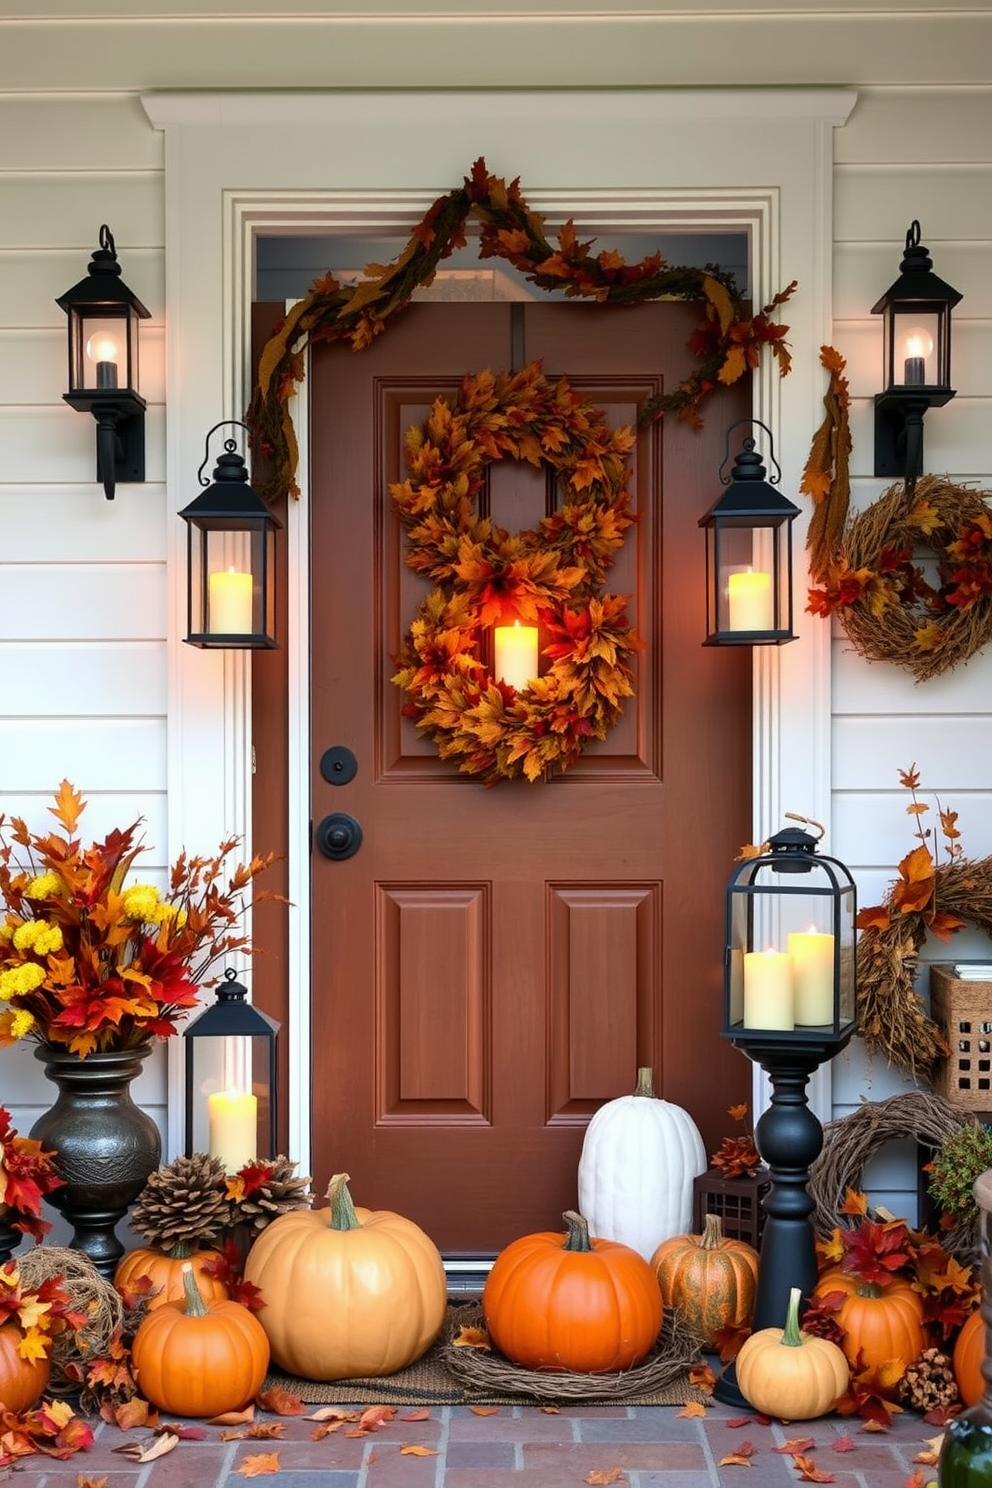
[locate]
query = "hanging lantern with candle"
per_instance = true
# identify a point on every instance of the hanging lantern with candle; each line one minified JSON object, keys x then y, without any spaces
{"x":231,"y":1079}
{"x":749,"y":553}
{"x":231,"y":600}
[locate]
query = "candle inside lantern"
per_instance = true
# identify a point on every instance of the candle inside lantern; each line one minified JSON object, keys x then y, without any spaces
{"x":229,"y":603}
{"x":813,"y":975}
{"x":768,"y":994}
{"x":749,"y":596}
{"x":918,"y":346}
{"x":233,"y":1120}
{"x":515,"y":654}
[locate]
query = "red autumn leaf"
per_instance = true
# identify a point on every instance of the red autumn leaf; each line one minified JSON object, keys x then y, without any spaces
{"x":842,"y":1444}
{"x":810,"y":1473}
{"x":280,"y":1402}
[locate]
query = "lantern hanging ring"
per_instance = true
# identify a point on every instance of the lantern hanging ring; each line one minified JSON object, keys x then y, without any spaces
{"x":230,"y":445}
{"x":749,"y":444}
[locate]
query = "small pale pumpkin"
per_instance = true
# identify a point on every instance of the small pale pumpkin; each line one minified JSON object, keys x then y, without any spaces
{"x":968,"y":1356}
{"x":709,"y":1279}
{"x":569,"y":1303}
{"x":639,"y":1158}
{"x":164,"y":1269}
{"x":880,"y":1324}
{"x":348,"y":1292}
{"x":790,"y":1374}
{"x":22,"y":1381}
{"x":194,"y":1359}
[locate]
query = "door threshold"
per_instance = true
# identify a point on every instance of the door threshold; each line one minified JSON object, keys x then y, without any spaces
{"x":467,"y":1274}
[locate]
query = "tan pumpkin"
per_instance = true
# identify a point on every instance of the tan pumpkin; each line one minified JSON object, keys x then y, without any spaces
{"x":710,"y":1279}
{"x":880,"y":1324}
{"x":348,"y":1292}
{"x":967,"y":1358}
{"x":790,"y":1374}
{"x":22,"y":1381}
{"x":164,"y":1269}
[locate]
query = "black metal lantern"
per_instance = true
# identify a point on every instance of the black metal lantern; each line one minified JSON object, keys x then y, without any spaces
{"x":917,"y":360}
{"x":231,"y":1079}
{"x":749,"y":553}
{"x":789,"y":1005}
{"x":103,"y":317}
{"x":231,"y":573}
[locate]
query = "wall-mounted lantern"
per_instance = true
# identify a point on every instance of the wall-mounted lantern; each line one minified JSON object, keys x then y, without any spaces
{"x":917,"y":360}
{"x":749,"y":553}
{"x":103,"y":317}
{"x":231,"y":572}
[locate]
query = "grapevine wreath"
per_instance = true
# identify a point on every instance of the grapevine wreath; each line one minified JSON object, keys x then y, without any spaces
{"x":551,"y":573}
{"x":889,"y":607}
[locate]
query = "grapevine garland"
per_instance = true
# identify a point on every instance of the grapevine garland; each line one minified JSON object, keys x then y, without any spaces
{"x":865,"y":565}
{"x":728,"y":341}
{"x":551,"y":574}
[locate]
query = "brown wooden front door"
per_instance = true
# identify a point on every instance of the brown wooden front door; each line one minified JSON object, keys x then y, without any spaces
{"x":493,"y":964}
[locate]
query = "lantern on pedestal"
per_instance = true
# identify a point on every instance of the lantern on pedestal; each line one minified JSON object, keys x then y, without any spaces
{"x":231,"y":1079}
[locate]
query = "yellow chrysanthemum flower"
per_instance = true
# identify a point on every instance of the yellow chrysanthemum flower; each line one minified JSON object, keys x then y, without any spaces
{"x":141,"y":902}
{"x":38,"y":936}
{"x":43,"y":886}
{"x":20,"y":979}
{"x":21,"y":1022}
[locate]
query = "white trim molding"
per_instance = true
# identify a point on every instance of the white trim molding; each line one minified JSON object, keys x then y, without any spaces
{"x":238,"y":164}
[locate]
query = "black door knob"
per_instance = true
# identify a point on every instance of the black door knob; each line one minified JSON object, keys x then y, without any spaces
{"x":339,"y":836}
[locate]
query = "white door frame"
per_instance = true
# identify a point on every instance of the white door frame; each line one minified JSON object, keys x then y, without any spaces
{"x":238,"y":164}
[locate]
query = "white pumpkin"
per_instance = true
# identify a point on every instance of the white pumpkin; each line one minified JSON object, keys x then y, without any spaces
{"x":639,"y":1158}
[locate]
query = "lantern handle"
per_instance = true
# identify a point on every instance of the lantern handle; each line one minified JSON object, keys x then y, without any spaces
{"x":749,"y":444}
{"x":230,"y":445}
{"x":913,"y":235}
{"x":807,"y":821}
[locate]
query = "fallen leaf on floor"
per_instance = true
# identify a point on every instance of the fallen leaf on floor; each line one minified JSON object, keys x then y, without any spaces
{"x":796,"y":1444}
{"x":228,"y":1436}
{"x":735,"y":1460}
{"x":416,"y":1415}
{"x":233,"y":1418}
{"x":130,"y":1413}
{"x":471,"y":1338}
{"x":693,"y":1409}
{"x":331,"y":1413}
{"x":702,"y":1376}
{"x":149,"y":1450}
{"x":739,"y":1421}
{"x":82,"y":1481}
{"x":610,"y":1475}
{"x":184,"y":1433}
{"x":916,"y":1480}
{"x":842,"y":1444}
{"x":265,"y":1430}
{"x":809,"y":1472}
{"x":874,"y":1426}
{"x":280,"y":1402}
{"x":418,"y":1451}
{"x":260,"y":1464}
{"x":484,"y":1410}
{"x":375,"y":1416}
{"x":550,"y":1410}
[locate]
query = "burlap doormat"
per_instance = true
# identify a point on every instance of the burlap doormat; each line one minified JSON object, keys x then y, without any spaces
{"x":450,"y":1376}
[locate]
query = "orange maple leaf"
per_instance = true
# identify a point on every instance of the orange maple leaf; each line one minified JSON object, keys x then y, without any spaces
{"x":259,"y":1464}
{"x":810,"y":1473}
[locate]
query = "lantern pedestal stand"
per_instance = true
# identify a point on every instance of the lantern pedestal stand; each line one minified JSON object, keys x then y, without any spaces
{"x":789,"y":1138}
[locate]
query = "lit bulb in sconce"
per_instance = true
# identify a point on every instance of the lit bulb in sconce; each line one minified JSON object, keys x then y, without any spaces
{"x":103,"y":351}
{"x":917,"y":346}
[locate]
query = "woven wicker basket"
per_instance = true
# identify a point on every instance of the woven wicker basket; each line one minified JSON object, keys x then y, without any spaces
{"x":963,"y":1011}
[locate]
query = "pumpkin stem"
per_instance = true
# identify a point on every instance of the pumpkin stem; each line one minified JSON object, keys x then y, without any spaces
{"x":342,"y":1216}
{"x":179,"y":1251}
{"x":712,"y":1236}
{"x":195,"y":1305}
{"x":792,"y":1335}
{"x":645,"y":1083}
{"x":577,"y":1231}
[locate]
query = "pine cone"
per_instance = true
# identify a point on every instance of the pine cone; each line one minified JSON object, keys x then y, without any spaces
{"x":278,"y":1194}
{"x":184,"y":1203}
{"x":929,"y":1383}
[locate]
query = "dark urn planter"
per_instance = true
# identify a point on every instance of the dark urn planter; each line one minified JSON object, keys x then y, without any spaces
{"x":105,"y":1147}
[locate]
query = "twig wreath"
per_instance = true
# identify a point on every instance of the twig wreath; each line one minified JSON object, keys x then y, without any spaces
{"x":551,"y":573}
{"x":865,"y":564}
{"x":727,"y":341}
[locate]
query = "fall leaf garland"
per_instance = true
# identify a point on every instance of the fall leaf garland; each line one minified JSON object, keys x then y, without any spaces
{"x":727,"y":342}
{"x":864,"y":565}
{"x":551,"y":573}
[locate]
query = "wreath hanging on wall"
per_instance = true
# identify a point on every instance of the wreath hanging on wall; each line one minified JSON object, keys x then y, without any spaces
{"x":866,"y":567}
{"x":550,"y":574}
{"x":728,"y":341}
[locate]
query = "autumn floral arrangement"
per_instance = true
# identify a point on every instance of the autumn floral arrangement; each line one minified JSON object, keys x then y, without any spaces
{"x":27,"y":1173}
{"x":727,"y":342}
{"x":928,"y":897}
{"x":93,"y":962}
{"x":549,"y":575}
{"x":866,"y":567}
{"x":738,"y":1157}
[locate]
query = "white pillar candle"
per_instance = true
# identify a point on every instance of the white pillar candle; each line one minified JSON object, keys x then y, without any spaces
{"x":768,"y":996}
{"x":749,"y":598}
{"x":516,"y":654}
{"x":233,"y":1120}
{"x":229,"y":600}
{"x":813,"y":975}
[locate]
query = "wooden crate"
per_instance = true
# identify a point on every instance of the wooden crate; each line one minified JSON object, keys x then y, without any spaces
{"x":735,"y":1201}
{"x":963,"y":1010}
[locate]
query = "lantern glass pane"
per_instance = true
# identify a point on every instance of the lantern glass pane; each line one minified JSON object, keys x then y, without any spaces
{"x":233,"y":584}
{"x":103,"y":349}
{"x":230,"y":1098}
{"x":917,"y":351}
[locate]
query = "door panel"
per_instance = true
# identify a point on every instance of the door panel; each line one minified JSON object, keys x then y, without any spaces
{"x":493,"y":964}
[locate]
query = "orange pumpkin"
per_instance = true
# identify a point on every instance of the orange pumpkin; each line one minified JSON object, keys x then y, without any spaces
{"x":879,"y":1323}
{"x":164,"y":1269}
{"x":199,"y":1360}
{"x":967,"y":1358}
{"x":22,"y":1381}
{"x":566,"y":1302}
{"x":709,"y":1279}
